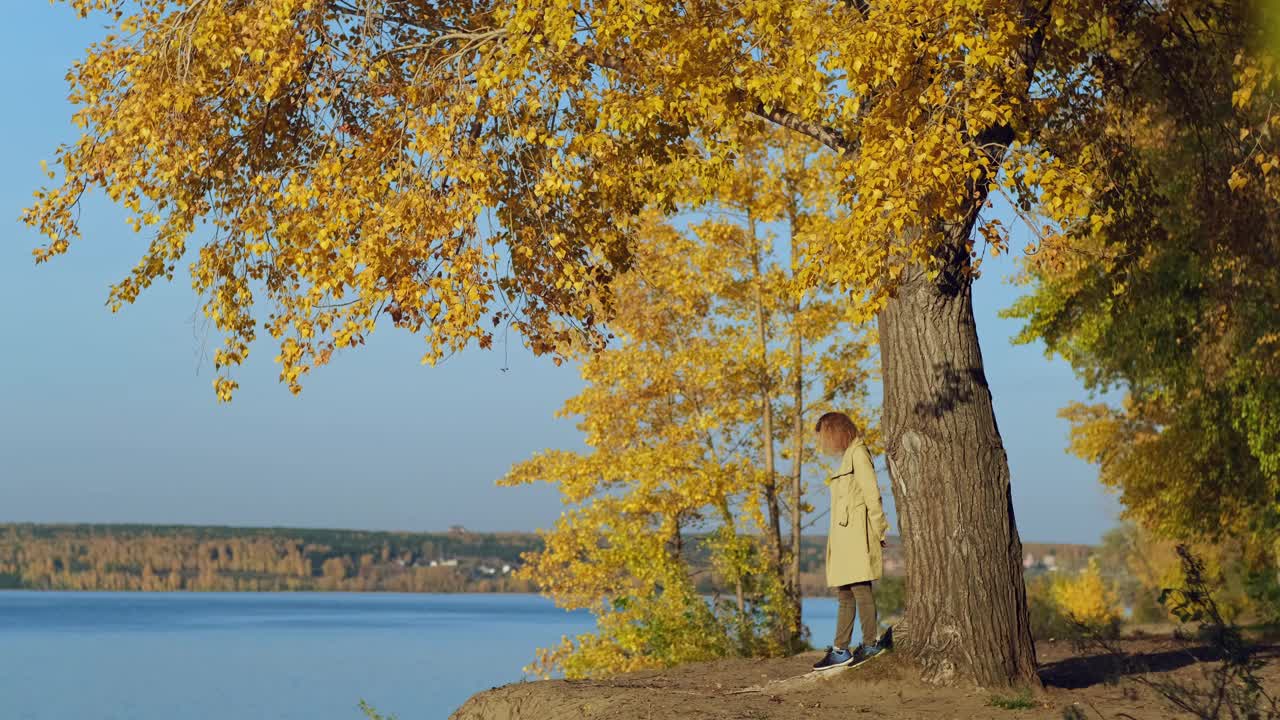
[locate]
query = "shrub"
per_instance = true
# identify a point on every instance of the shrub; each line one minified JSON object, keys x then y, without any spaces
{"x":891,"y":595}
{"x":1047,"y":620}
{"x":1230,"y":691}
{"x":1263,"y":587}
{"x":1089,"y":600}
{"x":1061,"y":606}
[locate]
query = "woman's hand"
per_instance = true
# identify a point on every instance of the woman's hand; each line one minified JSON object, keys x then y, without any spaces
{"x":884,"y":543}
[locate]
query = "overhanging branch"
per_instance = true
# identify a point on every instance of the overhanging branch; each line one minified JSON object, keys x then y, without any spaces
{"x":833,"y":139}
{"x":781,"y":117}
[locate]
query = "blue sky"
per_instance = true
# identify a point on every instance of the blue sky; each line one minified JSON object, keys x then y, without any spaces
{"x":111,"y":418}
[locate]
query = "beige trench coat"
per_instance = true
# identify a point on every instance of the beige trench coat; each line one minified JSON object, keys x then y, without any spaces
{"x":857,"y":520}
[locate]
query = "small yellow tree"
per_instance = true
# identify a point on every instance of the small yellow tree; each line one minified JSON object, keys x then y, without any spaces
{"x":682,"y":418}
{"x":1087,"y":598}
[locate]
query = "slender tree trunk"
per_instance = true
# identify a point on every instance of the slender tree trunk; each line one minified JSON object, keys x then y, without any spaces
{"x":794,"y":594}
{"x":797,"y":440}
{"x":782,"y":630}
{"x":677,"y":540}
{"x":766,"y":409}
{"x":771,"y":487}
{"x":797,"y":455}
{"x":966,"y":606}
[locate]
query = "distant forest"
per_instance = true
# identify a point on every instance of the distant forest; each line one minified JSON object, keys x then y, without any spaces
{"x":163,"y":557}
{"x":197,"y":558}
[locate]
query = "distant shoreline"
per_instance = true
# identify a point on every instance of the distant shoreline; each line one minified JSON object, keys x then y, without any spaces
{"x":142,"y":527}
{"x":39,"y":591}
{"x":157,"y":558}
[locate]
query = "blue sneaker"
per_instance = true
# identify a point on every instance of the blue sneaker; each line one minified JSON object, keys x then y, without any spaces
{"x":866,"y":652}
{"x":835,"y":658}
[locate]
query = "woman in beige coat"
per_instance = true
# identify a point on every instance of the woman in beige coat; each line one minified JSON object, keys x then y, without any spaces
{"x":855,"y":541}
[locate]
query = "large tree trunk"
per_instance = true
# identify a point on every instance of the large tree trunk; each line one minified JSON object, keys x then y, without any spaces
{"x":966,"y":606}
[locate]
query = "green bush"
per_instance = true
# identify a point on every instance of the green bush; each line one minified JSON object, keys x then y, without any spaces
{"x":1263,"y":587}
{"x":891,"y":595}
{"x":1048,"y":622}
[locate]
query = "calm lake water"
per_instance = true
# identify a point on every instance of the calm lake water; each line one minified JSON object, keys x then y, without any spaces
{"x":271,"y":656}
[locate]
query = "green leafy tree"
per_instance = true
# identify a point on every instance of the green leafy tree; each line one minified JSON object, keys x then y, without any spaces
{"x":1176,"y":300}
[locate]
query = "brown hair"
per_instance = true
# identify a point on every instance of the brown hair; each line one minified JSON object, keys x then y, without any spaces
{"x":840,"y":426}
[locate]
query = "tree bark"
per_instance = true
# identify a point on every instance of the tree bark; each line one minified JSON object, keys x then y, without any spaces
{"x":966,"y":606}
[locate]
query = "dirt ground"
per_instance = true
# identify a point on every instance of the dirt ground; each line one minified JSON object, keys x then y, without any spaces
{"x":1100,"y":686}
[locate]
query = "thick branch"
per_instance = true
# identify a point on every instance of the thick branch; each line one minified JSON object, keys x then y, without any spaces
{"x":833,"y":139}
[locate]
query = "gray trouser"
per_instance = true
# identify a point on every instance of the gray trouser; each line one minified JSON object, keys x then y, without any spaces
{"x":859,"y":593}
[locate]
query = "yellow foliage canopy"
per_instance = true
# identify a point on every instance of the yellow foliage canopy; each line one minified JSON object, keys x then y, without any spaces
{"x":451,"y":166}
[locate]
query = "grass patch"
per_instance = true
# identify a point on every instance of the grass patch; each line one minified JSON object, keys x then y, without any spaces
{"x":1021,"y":701}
